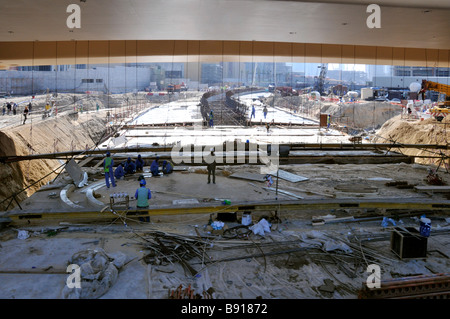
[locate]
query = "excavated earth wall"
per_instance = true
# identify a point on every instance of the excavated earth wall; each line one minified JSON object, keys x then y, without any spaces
{"x":63,"y":133}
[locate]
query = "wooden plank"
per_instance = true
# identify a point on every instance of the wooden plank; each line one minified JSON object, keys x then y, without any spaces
{"x":435,"y":189}
{"x":85,"y":161}
{"x":98,"y":164}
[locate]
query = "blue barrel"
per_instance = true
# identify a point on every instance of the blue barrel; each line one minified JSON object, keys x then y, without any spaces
{"x":425,"y":227}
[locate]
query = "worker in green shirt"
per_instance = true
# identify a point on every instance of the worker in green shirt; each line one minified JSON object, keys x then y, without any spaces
{"x":142,"y":195}
{"x":108,"y":168}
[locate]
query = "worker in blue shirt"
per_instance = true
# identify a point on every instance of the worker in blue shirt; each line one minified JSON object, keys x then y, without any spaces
{"x":119,"y":173}
{"x":108,"y":169}
{"x":211,"y":119}
{"x":154,"y":167}
{"x":142,"y":195}
{"x":130,"y":167}
{"x":167,"y":167}
{"x":139,"y":164}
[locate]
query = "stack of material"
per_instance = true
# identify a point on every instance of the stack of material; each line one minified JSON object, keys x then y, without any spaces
{"x":414,"y":287}
{"x":169,"y":248}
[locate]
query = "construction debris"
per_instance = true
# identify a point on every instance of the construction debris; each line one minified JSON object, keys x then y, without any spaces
{"x":322,"y":220}
{"x":328,"y":286}
{"x":401,"y":184}
{"x":98,"y":273}
{"x":425,"y":287}
{"x":434,"y":179}
{"x":166,"y":249}
{"x":189,"y":293}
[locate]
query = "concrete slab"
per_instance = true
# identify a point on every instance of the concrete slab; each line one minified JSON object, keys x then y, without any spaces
{"x":249,"y":176}
{"x":185,"y":201}
{"x":294,"y":178}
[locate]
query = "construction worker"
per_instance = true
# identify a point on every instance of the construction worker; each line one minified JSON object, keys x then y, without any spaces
{"x":130,"y":167}
{"x":139,"y":164}
{"x":167,"y":167}
{"x":211,"y":166}
{"x":142,"y":195}
{"x":25,"y":113}
{"x":253,"y":112}
{"x":211,"y":119}
{"x":154,"y":167}
{"x":265,"y":111}
{"x":119,"y":173}
{"x":108,"y":165}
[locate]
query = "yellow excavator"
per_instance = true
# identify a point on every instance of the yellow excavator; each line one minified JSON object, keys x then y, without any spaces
{"x":442,"y":109}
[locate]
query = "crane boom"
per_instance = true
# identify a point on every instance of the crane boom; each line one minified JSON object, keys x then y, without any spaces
{"x":443,"y":108}
{"x":442,"y":89}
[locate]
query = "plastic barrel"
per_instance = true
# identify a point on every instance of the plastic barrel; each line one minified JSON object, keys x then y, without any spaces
{"x":246,"y":219}
{"x":425,"y":227}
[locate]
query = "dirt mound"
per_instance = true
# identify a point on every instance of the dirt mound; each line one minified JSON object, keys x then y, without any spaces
{"x":362,"y":114}
{"x":366,"y":115}
{"x":428,"y":131}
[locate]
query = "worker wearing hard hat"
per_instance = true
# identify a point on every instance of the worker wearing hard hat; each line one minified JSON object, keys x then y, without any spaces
{"x":130,"y":167}
{"x":119,"y":172}
{"x":108,"y":165}
{"x":139,"y":164}
{"x":142,"y":195}
{"x":154,"y":167}
{"x":167,"y":167}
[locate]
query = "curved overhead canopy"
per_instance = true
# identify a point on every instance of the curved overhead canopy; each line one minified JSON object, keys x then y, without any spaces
{"x":404,"y":23}
{"x":98,"y":52}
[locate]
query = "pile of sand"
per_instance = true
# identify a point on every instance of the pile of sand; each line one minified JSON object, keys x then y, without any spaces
{"x":428,"y":131}
{"x":364,"y":115}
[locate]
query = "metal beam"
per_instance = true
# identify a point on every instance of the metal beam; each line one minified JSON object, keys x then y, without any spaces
{"x":293,"y":147}
{"x":284,"y":205}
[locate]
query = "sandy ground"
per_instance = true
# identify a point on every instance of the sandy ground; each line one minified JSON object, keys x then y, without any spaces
{"x":279,"y":265}
{"x":35,"y":267}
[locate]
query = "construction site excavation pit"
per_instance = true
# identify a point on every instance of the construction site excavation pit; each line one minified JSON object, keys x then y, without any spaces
{"x":306,"y":230}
